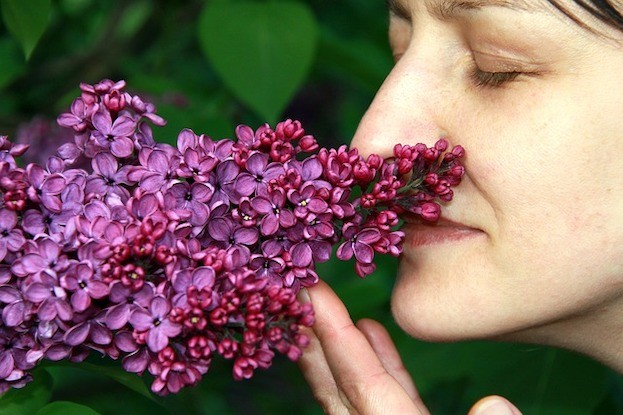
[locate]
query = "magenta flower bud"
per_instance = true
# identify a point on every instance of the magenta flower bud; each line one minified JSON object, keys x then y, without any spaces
{"x":281,"y":151}
{"x":430,"y":211}
{"x":200,"y":347}
{"x":289,"y":130}
{"x":266,"y":135}
{"x":458,"y":151}
{"x":114,"y":101}
{"x":441,"y":145}
{"x":15,"y":200}
{"x":374,"y":161}
{"x":431,"y":179}
{"x":308,"y":143}
{"x":404,"y":166}
{"x":363,"y":173}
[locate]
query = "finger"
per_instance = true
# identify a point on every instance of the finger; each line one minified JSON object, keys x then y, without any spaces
{"x":357,"y":370}
{"x":494,"y":405}
{"x":318,"y":375}
{"x":384,"y":347}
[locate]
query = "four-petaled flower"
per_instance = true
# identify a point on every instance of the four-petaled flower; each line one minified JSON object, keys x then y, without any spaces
{"x":156,"y":323}
{"x":273,"y":207}
{"x":114,"y":135}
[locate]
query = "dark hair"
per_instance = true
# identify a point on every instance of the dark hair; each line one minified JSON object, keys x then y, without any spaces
{"x":604,"y":10}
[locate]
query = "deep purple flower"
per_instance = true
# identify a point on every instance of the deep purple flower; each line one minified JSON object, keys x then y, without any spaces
{"x":232,"y":234}
{"x":197,"y":165}
{"x":279,"y":242}
{"x":79,"y":116}
{"x":306,"y":200}
{"x":194,"y":288}
{"x":358,"y":243}
{"x":259,"y":173}
{"x":50,"y":298}
{"x":84,"y":287}
{"x":107,"y":177}
{"x":247,"y":137}
{"x":244,"y":213}
{"x":318,"y":226}
{"x":339,"y":203}
{"x":126,"y":301}
{"x":193,"y":198}
{"x":43,"y":257}
{"x":45,"y":187}
{"x":146,"y":205}
{"x":16,"y":310}
{"x":114,"y":136}
{"x":13,"y":362}
{"x":274,"y":211}
{"x":156,"y":323}
{"x":92,"y":330}
{"x":268,"y":267}
{"x":11,"y":238}
{"x":147,"y":110}
{"x":223,"y":183}
{"x":158,"y":169}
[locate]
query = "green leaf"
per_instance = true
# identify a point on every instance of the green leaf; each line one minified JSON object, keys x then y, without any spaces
{"x":261,"y":51}
{"x":11,"y":63}
{"x":133,"y":19}
{"x":355,"y":60}
{"x":66,"y":408}
{"x":26,"y":20}
{"x":28,"y":400}
{"x":543,"y":381}
{"x":129,"y":380}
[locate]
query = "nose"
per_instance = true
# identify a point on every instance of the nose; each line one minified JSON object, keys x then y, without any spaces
{"x":405,"y":109}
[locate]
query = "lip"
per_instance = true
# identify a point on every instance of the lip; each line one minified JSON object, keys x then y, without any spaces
{"x":418,"y":233}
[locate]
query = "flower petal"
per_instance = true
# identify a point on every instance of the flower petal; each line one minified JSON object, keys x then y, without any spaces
{"x":77,"y":334}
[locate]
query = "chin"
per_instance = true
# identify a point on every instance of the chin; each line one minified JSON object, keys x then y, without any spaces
{"x":427,"y":326}
{"x":436,"y":311}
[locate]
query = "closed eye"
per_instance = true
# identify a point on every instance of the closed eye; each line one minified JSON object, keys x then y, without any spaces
{"x":492,"y":79}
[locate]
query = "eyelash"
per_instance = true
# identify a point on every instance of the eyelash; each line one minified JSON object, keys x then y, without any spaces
{"x":492,"y":79}
{"x":483,"y":79}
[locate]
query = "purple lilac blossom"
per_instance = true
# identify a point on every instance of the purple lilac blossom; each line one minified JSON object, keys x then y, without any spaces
{"x":166,"y":257}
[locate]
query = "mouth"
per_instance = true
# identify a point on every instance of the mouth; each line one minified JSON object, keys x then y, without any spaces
{"x":419,"y":233}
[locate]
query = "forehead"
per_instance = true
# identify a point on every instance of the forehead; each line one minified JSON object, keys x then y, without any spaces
{"x":448,"y":8}
{"x":598,"y":16}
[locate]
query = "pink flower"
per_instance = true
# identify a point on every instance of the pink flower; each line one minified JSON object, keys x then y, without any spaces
{"x":114,"y":135}
{"x":156,"y":323}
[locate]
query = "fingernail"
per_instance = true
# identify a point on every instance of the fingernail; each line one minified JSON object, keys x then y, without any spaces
{"x":496,"y":407}
{"x":303,"y":296}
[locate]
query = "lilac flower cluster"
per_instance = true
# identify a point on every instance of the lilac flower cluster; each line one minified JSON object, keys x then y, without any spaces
{"x":164,"y":257}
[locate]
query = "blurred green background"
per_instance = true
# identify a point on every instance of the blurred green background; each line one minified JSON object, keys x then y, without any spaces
{"x":210,"y":65}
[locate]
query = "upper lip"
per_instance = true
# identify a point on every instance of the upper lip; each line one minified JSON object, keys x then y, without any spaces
{"x":442,"y":222}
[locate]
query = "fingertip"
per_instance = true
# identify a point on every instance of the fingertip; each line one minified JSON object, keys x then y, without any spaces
{"x":303,"y":296}
{"x":374,"y":331}
{"x":328,"y":307}
{"x":494,"y":405}
{"x":370,"y":325}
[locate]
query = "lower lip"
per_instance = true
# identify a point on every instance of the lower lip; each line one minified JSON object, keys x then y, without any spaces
{"x":417,"y":235}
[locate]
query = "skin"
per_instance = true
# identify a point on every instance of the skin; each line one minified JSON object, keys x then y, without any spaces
{"x":536,"y":101}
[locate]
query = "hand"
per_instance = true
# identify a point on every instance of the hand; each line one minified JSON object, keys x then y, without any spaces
{"x":356,"y":369}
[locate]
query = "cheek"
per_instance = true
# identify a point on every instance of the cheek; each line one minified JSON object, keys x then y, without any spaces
{"x":545,"y":183}
{"x":551,"y":172}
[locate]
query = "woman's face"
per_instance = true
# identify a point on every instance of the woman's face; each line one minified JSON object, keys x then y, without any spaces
{"x":534,"y":235}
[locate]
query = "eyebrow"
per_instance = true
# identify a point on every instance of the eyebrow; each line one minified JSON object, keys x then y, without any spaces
{"x":448,"y":9}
